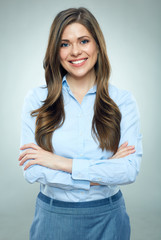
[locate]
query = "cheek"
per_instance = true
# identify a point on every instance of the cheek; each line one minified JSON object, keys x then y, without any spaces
{"x":92,"y":51}
{"x":63,"y":54}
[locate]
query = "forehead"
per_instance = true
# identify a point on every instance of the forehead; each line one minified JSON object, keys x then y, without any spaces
{"x":75,"y":30}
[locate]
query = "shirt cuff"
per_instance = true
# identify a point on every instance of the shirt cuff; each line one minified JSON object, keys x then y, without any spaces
{"x":80,"y":169}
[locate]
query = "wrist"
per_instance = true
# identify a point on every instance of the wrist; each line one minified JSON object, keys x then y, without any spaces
{"x":63,"y":164}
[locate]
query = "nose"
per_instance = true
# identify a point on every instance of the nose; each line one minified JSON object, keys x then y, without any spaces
{"x":76,"y":50}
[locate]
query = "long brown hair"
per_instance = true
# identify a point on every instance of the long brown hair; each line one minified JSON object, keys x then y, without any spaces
{"x":51,"y":115}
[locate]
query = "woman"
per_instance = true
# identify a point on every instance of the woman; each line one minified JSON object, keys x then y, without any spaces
{"x":82,"y":139}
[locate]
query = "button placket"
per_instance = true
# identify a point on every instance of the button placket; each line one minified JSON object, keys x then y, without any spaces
{"x":80,"y":120}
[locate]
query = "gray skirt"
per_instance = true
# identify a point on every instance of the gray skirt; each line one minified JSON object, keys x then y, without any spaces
{"x":104,"y":219}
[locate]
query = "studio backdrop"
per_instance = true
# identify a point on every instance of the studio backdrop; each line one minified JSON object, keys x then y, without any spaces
{"x":132,"y":32}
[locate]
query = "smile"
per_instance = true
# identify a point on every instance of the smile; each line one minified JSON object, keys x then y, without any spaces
{"x":78,"y":62}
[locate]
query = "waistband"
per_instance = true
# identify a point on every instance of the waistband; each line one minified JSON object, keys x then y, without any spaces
{"x":95,"y":203}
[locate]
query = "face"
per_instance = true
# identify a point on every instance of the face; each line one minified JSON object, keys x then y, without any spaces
{"x":78,"y":51}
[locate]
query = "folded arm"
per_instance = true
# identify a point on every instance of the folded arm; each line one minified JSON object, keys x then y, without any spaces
{"x":118,"y":170}
{"x":36,"y":172}
{"x":81,"y":173}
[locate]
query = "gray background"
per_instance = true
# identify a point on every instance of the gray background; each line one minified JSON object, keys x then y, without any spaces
{"x":132,"y":32}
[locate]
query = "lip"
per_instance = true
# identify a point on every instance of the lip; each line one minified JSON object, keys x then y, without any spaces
{"x":77,"y":60}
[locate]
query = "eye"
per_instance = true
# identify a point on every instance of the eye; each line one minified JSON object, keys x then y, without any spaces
{"x":64,"y":45}
{"x":84,"y":41}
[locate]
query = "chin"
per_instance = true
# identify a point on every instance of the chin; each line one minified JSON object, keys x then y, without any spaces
{"x":81,"y":74}
{"x":78,"y":75}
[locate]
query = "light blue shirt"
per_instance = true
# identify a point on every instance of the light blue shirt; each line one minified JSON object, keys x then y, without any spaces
{"x":74,"y":140}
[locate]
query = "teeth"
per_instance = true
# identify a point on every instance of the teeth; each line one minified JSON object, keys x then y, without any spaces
{"x":77,"y":62}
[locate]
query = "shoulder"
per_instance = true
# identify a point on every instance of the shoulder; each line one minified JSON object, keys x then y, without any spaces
{"x":34,"y":100}
{"x":35,"y":97}
{"x":123,"y":98}
{"x":126,"y":102}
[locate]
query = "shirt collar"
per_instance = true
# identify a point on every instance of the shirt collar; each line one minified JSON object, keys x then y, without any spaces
{"x":64,"y":82}
{"x":66,"y":85}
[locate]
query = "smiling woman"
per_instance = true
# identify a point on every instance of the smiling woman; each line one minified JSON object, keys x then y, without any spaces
{"x":80,"y":137}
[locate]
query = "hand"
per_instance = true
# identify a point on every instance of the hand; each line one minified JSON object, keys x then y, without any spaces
{"x":39,"y":156}
{"x":94,"y":184}
{"x":124,"y":151}
{"x":36,"y":155}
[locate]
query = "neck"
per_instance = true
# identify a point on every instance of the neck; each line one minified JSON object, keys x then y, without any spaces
{"x":81,"y":84}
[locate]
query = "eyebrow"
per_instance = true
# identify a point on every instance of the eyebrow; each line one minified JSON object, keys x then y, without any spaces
{"x":66,"y":40}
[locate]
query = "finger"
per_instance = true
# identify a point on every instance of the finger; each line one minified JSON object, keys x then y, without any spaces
{"x":94,"y":184}
{"x":28,"y":157}
{"x":126,"y":148}
{"x":36,"y":162}
{"x":30,"y":145}
{"x":122,"y":146}
{"x":128,"y":153}
{"x":125,"y":153}
{"x":28,"y":151}
{"x":30,"y":163}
